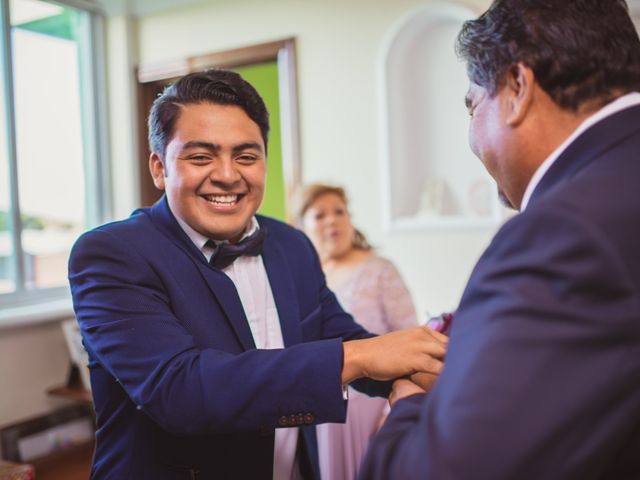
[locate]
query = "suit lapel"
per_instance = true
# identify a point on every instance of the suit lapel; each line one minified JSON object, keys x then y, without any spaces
{"x":220,"y":285}
{"x":588,"y":147}
{"x":284,"y":295}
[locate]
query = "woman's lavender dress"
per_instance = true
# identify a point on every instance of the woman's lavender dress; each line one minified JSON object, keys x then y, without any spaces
{"x":379,"y":300}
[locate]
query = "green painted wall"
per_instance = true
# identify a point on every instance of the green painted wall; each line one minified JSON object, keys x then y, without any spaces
{"x":264,"y":77}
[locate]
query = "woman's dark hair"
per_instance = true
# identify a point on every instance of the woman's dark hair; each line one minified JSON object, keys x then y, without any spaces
{"x":310,"y":193}
{"x":216,"y":86}
{"x":579,"y":50}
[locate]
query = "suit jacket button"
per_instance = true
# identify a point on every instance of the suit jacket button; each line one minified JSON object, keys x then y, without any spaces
{"x":300,"y":419}
{"x":309,"y":418}
{"x":293,"y":420}
{"x":283,"y":421}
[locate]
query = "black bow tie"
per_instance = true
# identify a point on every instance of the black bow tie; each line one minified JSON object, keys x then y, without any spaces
{"x":225,"y":253}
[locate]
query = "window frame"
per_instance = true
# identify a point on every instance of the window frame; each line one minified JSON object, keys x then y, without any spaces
{"x":22,"y":306}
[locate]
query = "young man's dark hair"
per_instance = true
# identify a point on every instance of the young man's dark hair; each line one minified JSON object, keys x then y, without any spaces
{"x":579,"y":50}
{"x":217,"y":86}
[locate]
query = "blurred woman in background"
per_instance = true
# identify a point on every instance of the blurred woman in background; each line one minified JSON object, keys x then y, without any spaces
{"x":371,"y":289}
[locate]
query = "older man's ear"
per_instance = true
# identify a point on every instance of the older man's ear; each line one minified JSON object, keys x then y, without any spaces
{"x":520,"y":85}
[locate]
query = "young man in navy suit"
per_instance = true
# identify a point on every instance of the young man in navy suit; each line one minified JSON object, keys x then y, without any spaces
{"x":541,"y":379}
{"x":214,"y":343}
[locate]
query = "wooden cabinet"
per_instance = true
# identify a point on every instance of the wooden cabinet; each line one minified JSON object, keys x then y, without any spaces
{"x":73,"y":463}
{"x":59,"y":444}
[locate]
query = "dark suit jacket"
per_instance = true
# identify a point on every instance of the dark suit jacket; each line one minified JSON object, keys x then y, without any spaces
{"x":542,"y":375}
{"x":178,"y":386}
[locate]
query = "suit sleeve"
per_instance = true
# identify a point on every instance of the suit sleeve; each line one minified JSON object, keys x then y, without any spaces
{"x":129,"y":329}
{"x":541,"y":373}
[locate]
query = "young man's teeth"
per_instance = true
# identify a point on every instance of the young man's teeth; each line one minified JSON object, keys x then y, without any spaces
{"x":222,"y":199}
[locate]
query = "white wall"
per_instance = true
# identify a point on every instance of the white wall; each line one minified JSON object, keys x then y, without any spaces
{"x":123,"y":138}
{"x":339,"y":46}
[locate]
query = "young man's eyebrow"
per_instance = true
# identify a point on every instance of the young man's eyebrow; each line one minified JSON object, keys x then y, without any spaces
{"x":246,"y":146}
{"x":212,"y":147}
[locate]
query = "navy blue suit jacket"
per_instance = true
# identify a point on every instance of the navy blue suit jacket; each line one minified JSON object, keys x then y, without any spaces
{"x":542,"y":375}
{"x":178,"y":385}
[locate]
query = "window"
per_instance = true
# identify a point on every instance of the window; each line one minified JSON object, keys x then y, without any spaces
{"x":52,"y":177}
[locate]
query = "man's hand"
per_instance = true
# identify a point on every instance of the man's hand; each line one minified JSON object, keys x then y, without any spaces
{"x":394,"y":355}
{"x":403,"y":388}
{"x":424,"y":380}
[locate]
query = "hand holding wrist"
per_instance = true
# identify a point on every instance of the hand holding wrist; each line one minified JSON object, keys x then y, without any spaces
{"x":394,"y":355}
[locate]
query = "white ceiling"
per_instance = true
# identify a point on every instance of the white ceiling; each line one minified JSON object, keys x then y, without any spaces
{"x":147,"y":7}
{"x":140,"y":8}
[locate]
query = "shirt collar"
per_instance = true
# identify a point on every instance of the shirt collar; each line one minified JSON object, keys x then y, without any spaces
{"x":621,"y":103}
{"x":200,"y":240}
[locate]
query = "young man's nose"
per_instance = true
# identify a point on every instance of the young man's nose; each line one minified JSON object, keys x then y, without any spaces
{"x":224,"y":172}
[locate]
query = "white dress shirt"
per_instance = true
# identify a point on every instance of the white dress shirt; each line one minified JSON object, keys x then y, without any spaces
{"x":250,"y":279}
{"x":626,"y":101}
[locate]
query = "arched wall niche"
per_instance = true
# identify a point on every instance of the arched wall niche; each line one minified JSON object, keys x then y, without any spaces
{"x":430,"y":176}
